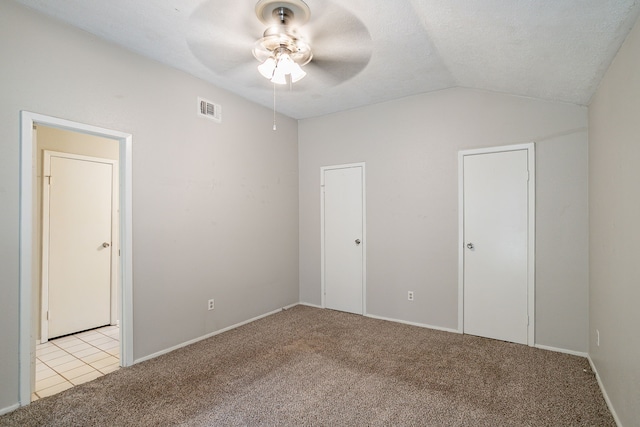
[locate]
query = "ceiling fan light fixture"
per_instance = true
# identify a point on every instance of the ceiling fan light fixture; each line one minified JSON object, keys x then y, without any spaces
{"x":285,"y":64}
{"x":279,"y":77}
{"x":297,"y":73}
{"x":281,"y":51}
{"x":267,"y":68}
{"x":276,"y":69}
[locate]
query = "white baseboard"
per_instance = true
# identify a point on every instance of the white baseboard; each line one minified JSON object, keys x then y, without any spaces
{"x":421,"y":325}
{"x":310,"y":305}
{"x":9,"y":409}
{"x":604,"y":392}
{"x":561,"y":350}
{"x":388,"y":319}
{"x":204,"y":337}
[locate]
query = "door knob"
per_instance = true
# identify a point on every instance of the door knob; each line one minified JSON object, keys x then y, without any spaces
{"x":105,"y":245}
{"x":470,"y":245}
{"x":357,"y":241}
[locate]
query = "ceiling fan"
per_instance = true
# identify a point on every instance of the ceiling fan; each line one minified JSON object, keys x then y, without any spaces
{"x":281,"y":51}
{"x":330,"y":45}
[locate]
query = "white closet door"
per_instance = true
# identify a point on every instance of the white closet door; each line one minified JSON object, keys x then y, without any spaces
{"x":496,"y":245}
{"x":343,"y":238}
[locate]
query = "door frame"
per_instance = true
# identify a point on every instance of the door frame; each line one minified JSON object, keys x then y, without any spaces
{"x":531,"y":235}
{"x":364,"y":231}
{"x":27,"y":199}
{"x":113,"y":271}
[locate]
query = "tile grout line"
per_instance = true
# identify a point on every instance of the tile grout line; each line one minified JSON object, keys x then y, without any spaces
{"x":99,"y":371}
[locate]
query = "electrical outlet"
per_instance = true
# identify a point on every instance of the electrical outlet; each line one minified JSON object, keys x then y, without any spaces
{"x":410,"y":296}
{"x":597,"y":338}
{"x":211,"y":304}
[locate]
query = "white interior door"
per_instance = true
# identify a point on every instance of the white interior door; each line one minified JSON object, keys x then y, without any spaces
{"x":496,"y":244}
{"x":77,"y":243}
{"x":343,"y":238}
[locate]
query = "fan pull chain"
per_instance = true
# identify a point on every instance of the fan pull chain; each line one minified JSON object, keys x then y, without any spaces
{"x":274,"y":107}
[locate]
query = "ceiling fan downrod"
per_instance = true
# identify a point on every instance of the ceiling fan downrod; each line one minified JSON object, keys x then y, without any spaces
{"x":283,"y":15}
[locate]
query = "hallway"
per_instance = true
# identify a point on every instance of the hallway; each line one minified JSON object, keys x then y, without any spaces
{"x":75,"y":359}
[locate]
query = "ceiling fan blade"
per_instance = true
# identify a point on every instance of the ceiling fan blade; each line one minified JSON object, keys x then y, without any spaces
{"x":246,"y":75}
{"x":332,"y":72}
{"x":219,"y":60}
{"x":340,"y":42}
{"x":222,"y":34}
{"x":335,"y":25}
{"x":347,"y":52}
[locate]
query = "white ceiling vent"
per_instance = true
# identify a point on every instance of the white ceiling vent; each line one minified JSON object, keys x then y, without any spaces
{"x":209,"y":110}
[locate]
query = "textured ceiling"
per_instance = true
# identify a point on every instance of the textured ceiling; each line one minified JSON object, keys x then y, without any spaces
{"x":369,"y":51}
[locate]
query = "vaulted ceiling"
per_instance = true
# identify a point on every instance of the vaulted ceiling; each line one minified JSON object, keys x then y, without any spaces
{"x":370,"y":51}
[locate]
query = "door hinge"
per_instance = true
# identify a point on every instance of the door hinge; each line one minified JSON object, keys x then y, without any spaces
{"x":47,"y":315}
{"x":49,"y":179}
{"x":527,"y":320}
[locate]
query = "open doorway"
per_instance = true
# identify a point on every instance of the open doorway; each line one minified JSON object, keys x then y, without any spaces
{"x":76,"y":227}
{"x":82,"y":145}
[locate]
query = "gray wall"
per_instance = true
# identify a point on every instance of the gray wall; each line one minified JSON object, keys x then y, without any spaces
{"x":410,"y":148}
{"x":614,"y":209}
{"x":215,"y":206}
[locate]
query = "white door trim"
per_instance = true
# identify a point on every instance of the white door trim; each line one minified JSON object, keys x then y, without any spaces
{"x":27,"y":178}
{"x":46,"y":164}
{"x":530,"y":147}
{"x":364,"y":231}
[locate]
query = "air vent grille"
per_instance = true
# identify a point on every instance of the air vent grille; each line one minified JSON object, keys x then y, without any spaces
{"x":209,"y":110}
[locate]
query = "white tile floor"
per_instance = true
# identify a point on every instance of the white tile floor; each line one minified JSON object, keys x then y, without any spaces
{"x":75,"y":359}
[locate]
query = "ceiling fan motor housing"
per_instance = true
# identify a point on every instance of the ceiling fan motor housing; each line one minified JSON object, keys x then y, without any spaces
{"x":267,"y":10}
{"x":280,"y":37}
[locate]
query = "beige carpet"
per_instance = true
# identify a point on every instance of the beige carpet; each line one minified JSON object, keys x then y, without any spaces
{"x":307,"y":366}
